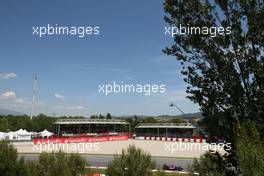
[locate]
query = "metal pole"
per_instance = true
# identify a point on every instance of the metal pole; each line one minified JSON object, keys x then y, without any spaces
{"x":179,"y":109}
{"x":33,"y":97}
{"x":128,"y":130}
{"x":58,"y":130}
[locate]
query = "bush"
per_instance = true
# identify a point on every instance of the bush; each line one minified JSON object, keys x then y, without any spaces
{"x":60,"y":164}
{"x":132,"y":162}
{"x":209,"y":164}
{"x":9,"y":163}
{"x":250,"y":153}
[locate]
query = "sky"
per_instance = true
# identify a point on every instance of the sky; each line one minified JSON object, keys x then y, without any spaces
{"x":70,"y":69}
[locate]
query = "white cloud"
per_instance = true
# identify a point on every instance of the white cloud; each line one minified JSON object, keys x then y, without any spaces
{"x":68,"y":108}
{"x":10,"y":99}
{"x":8,"y":95}
{"x":7,"y":75}
{"x":61,"y":97}
{"x":77,"y":107}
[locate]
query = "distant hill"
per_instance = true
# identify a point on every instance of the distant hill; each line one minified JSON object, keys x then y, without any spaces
{"x":190,"y":115}
{"x":186,"y":116}
{"x":9,"y":112}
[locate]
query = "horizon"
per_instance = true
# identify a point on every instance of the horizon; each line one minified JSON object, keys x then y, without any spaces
{"x":17,"y":113}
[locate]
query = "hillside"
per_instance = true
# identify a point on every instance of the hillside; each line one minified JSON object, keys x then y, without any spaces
{"x":9,"y":112}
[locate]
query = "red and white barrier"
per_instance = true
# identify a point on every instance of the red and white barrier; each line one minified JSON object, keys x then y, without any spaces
{"x":80,"y":140}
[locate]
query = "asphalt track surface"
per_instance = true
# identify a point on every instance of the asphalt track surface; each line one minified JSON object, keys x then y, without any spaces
{"x":103,"y":160}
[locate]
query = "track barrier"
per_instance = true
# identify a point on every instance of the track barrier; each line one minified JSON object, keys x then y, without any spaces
{"x":195,"y":139}
{"x":80,"y":140}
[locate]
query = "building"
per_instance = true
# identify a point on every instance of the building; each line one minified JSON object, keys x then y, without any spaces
{"x":177,"y":130}
{"x":90,"y":127}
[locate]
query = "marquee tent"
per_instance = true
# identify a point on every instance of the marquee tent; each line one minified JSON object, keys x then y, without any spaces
{"x":46,"y":133}
{"x":11,"y":135}
{"x":2,"y":135}
{"x":23,"y":134}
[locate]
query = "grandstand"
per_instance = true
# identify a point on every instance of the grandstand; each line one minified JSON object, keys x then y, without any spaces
{"x":91,"y":127}
{"x":176,"y":130}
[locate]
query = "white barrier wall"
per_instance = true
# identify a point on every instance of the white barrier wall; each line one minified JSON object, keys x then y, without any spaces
{"x":194,"y":140}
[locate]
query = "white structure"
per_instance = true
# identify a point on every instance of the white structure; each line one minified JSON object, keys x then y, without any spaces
{"x":45,"y":133}
{"x":33,"y":97}
{"x":23,"y":135}
{"x":2,"y":135}
{"x":11,"y":135}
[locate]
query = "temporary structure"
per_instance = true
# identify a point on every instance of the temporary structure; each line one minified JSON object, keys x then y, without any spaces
{"x":45,"y":133}
{"x":2,"y":135}
{"x":11,"y":135}
{"x":23,"y":134}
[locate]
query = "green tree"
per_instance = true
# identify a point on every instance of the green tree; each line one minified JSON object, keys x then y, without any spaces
{"x":132,"y":162}
{"x":94,"y":117}
{"x":250,"y":151}
{"x":101,"y":116}
{"x":178,"y":120}
{"x":60,"y":164}
{"x":210,"y":164}
{"x":225,"y":73}
{"x":4,"y":127}
{"x":108,"y":116}
{"x":9,"y":163}
{"x":32,"y":168}
{"x":77,"y":164}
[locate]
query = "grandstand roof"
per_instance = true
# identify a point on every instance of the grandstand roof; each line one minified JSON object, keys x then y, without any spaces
{"x":91,"y":121}
{"x":166,"y":125}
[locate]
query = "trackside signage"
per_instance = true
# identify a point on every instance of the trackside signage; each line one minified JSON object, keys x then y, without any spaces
{"x":79,"y":140}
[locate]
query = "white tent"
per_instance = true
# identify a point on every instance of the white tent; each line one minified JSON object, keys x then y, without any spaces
{"x":46,"y":133}
{"x":11,"y":135}
{"x":2,"y":135}
{"x":23,"y":134}
{"x":20,"y":131}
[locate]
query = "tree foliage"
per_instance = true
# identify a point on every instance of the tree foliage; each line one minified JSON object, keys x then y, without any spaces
{"x":210,"y":164}
{"x":10,"y":165}
{"x":49,"y":164}
{"x":250,"y":151}
{"x":4,"y":127}
{"x":58,"y":164}
{"x":225,"y":73}
{"x":132,"y":162}
{"x":38,"y":123}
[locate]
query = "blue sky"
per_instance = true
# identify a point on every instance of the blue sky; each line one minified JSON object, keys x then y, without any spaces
{"x":69,"y":68}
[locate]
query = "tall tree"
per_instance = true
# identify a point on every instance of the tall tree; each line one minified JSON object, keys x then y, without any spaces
{"x":225,"y":73}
